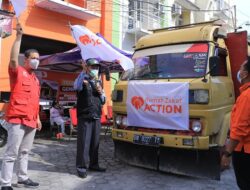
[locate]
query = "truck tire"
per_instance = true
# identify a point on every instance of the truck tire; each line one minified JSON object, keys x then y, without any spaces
{"x":3,"y":136}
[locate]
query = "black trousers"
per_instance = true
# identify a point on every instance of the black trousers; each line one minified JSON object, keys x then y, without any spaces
{"x":241,"y":164}
{"x":88,"y":137}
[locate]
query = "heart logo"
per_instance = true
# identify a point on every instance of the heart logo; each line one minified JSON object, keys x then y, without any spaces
{"x":137,"y":102}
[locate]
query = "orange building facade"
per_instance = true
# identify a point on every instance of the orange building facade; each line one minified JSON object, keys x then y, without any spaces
{"x":46,"y":28}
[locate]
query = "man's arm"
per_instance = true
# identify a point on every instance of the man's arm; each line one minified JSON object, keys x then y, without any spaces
{"x":16,"y":47}
{"x":100,"y":90}
{"x":239,"y":128}
{"x":39,"y":124}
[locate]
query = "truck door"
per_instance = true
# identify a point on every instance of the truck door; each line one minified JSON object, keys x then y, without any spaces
{"x":237,"y":47}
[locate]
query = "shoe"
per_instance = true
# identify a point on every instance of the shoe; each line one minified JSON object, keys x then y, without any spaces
{"x":6,"y":188}
{"x":28,"y":183}
{"x":98,"y":169}
{"x":82,"y":174}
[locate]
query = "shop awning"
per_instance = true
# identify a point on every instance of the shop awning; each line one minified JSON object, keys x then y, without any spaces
{"x":51,"y":84}
{"x":70,"y":61}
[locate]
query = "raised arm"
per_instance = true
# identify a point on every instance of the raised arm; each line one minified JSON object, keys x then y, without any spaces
{"x":16,"y":47}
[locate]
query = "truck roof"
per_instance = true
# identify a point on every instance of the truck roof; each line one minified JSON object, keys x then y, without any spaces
{"x":182,"y":34}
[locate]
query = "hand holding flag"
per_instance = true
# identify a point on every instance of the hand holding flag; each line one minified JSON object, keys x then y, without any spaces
{"x":19,"y":30}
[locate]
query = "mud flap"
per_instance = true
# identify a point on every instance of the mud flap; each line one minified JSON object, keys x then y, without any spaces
{"x":197,"y":163}
{"x":137,"y":155}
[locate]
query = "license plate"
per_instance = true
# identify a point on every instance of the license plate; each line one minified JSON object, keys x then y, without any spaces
{"x":147,"y":140}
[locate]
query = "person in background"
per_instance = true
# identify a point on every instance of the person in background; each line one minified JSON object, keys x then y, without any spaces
{"x":90,"y":98}
{"x":56,"y":116}
{"x":22,"y":114}
{"x":239,"y":143}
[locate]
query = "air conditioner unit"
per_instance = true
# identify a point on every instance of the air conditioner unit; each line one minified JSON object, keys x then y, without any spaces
{"x":176,"y":9}
{"x":160,"y":8}
{"x":133,"y":24}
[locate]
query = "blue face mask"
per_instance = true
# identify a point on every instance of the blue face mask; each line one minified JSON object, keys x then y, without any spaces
{"x":238,"y":77}
{"x":94,"y":73}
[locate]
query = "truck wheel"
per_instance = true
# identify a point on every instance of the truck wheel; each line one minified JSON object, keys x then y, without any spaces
{"x":3,"y":137}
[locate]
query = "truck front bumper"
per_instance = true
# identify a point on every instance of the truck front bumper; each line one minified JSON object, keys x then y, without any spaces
{"x":168,"y":140}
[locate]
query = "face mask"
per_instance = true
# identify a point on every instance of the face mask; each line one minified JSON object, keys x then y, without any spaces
{"x":33,"y":63}
{"x":94,"y":73}
{"x":238,"y":77}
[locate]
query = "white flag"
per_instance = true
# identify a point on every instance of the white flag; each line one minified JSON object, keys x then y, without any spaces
{"x":19,"y":6}
{"x":93,"y":46}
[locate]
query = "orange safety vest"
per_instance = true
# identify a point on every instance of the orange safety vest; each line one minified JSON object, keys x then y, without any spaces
{"x":240,"y":119}
{"x":24,"y":100}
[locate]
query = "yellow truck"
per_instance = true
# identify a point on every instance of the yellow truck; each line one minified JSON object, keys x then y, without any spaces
{"x":206,"y":59}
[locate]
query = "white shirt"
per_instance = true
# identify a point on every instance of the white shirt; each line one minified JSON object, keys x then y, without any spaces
{"x":55,"y":116}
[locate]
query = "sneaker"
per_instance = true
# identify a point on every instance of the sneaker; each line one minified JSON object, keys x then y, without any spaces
{"x":82,"y":174}
{"x":6,"y":188}
{"x":28,"y":183}
{"x":97,"y":168}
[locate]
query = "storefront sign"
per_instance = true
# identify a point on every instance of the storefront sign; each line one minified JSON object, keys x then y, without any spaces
{"x":67,"y":97}
{"x":67,"y":89}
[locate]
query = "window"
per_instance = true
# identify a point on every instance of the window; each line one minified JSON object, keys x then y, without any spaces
{"x":174,"y":61}
{"x":221,"y":70}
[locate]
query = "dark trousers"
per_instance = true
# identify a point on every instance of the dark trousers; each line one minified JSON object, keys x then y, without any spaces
{"x":88,"y":136}
{"x":241,"y":164}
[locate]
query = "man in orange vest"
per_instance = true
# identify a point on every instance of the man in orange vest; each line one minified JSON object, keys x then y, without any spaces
{"x":239,"y":144}
{"x":22,"y":114}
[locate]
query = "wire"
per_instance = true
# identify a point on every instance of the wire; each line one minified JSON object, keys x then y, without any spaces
{"x":144,"y":15}
{"x":140,"y":1}
{"x":243,"y":14}
{"x":129,"y":10}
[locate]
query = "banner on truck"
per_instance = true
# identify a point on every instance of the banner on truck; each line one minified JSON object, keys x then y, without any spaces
{"x":158,"y":105}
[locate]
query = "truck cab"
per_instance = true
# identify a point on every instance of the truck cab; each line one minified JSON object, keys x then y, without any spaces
{"x":195,"y":55}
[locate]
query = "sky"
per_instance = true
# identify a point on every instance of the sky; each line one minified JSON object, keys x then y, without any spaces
{"x":243,"y":13}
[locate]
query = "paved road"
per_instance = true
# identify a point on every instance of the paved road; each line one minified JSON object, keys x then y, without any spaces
{"x":52,"y":163}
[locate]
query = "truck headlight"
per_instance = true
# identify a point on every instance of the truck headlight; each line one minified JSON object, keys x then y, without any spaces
{"x":201,"y":96}
{"x":118,"y":120}
{"x":196,"y":126}
{"x":124,"y":121}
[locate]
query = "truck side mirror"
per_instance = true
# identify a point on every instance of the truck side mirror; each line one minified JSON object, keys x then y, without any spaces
{"x":214,"y":63}
{"x":107,"y":74}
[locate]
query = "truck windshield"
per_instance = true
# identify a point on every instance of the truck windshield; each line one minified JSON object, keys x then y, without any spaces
{"x":175,"y":61}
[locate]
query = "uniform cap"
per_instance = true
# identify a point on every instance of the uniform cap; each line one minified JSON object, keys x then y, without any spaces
{"x":92,"y":61}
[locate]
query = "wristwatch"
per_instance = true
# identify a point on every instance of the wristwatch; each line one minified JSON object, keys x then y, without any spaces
{"x":227,"y":154}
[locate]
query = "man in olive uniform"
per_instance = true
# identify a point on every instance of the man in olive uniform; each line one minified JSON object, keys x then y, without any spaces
{"x":90,"y":98}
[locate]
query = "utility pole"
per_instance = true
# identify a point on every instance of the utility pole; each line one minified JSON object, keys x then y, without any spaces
{"x":135,"y":18}
{"x":235,"y":19}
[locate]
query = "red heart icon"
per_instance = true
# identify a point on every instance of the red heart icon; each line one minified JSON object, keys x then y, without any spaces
{"x":137,"y":102}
